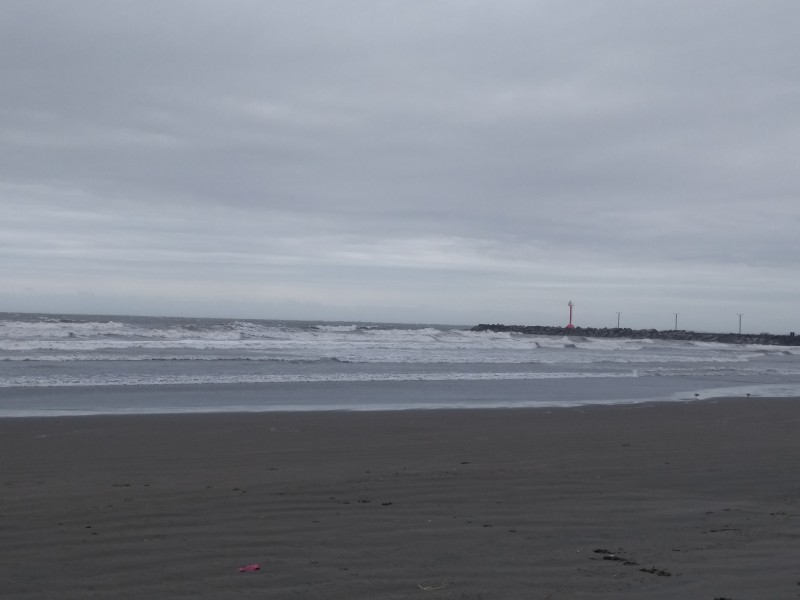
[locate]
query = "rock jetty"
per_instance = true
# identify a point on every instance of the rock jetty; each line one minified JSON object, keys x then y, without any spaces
{"x":653,"y":334}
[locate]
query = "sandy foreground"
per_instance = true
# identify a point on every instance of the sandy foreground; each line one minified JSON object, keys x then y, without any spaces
{"x":682,"y":501}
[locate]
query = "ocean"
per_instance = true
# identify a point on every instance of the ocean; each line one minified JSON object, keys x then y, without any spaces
{"x":93,"y":364}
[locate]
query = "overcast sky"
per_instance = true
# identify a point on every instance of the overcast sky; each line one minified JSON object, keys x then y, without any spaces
{"x":451,"y":161}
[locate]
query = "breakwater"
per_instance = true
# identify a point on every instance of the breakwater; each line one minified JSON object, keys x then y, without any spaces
{"x":654,"y":334}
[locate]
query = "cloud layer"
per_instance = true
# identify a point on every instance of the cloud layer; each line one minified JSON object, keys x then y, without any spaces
{"x":441,"y":161}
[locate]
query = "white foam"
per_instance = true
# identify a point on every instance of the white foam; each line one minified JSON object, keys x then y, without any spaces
{"x":138,"y":380}
{"x":61,"y":341}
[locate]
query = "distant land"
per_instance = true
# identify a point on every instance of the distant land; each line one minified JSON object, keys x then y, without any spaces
{"x":655,"y":334}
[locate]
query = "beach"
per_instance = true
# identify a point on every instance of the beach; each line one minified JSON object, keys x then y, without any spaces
{"x":661,"y":500}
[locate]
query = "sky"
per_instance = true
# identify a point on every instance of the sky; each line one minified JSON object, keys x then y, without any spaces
{"x":433,"y":161}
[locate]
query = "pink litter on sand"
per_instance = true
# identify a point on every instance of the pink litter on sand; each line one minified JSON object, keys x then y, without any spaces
{"x":249,"y":568}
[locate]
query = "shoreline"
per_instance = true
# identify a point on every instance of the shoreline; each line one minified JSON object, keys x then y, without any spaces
{"x":479,"y":503}
{"x":380,"y":396}
{"x":225,"y":412}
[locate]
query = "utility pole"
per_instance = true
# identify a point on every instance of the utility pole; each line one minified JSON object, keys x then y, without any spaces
{"x":740,"y":322}
{"x":618,"y":314}
{"x":676,"y":320}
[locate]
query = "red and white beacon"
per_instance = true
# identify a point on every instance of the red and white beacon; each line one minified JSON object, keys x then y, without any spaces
{"x":570,"y":326}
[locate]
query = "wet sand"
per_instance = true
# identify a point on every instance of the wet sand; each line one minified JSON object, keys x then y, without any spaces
{"x":695,"y":500}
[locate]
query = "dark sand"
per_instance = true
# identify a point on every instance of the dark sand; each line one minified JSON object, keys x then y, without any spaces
{"x":476,"y":504}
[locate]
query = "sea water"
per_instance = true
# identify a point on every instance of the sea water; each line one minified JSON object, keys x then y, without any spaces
{"x":67,"y":364}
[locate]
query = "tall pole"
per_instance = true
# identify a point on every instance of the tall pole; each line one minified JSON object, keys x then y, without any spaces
{"x":618,"y":314}
{"x":676,"y":320}
{"x":740,"y":322}
{"x":570,"y":304}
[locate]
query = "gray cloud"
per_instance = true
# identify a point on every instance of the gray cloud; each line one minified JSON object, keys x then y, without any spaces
{"x":449,"y":161}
